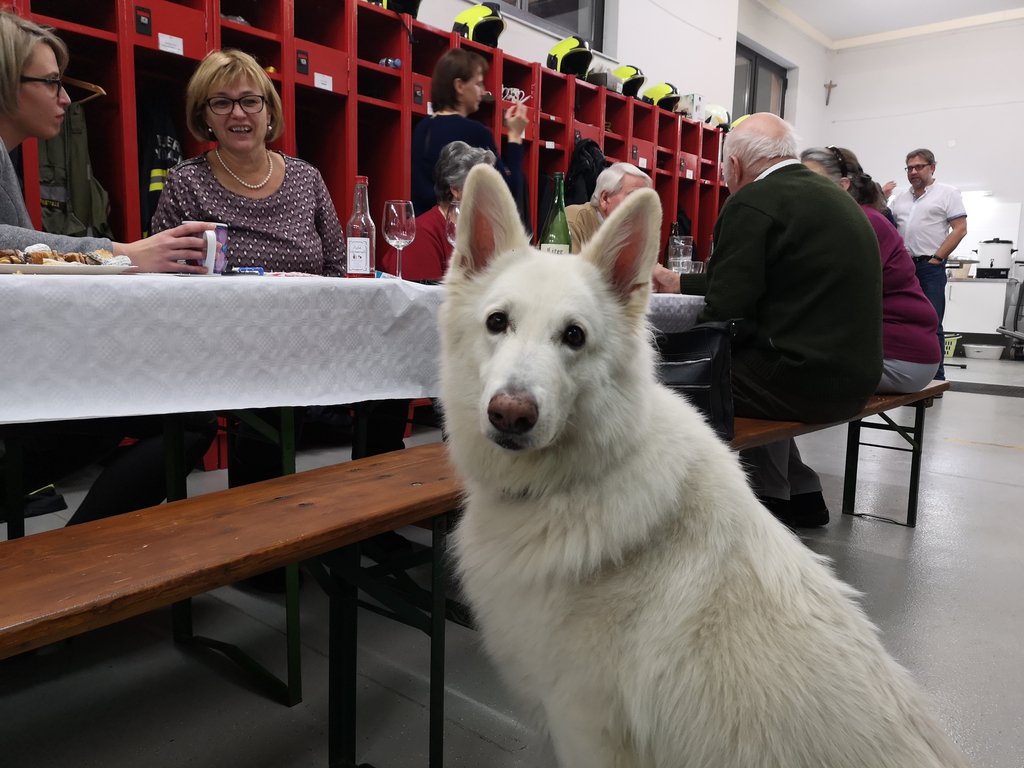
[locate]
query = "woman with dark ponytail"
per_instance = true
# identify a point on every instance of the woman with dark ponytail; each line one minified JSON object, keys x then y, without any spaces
{"x":909,"y":321}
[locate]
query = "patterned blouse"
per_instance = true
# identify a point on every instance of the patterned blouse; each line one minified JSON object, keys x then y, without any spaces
{"x":296,"y":229}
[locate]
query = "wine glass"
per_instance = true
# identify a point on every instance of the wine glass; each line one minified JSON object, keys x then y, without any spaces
{"x":399,"y":227}
{"x":451,"y":222}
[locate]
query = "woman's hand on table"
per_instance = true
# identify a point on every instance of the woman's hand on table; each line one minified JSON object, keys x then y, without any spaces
{"x":163,"y":251}
{"x":665,"y":280}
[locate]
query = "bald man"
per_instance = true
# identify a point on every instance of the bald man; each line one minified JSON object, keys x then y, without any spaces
{"x":796,"y":262}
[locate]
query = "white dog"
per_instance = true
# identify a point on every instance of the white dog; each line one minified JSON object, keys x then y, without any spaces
{"x":625,"y":579}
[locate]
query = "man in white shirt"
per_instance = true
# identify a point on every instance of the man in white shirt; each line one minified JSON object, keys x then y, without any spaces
{"x":932,"y":220}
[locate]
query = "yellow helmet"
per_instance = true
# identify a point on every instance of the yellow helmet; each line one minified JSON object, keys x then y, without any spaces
{"x":664,"y":95}
{"x":571,"y":56}
{"x":481,"y":23}
{"x":632,"y":78}
{"x":738,"y":120}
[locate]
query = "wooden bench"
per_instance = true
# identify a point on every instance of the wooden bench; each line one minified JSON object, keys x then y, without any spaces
{"x":750,"y":433}
{"x":64,"y":582}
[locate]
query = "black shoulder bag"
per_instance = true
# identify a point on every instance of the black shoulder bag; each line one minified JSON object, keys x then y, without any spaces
{"x":698,"y":363}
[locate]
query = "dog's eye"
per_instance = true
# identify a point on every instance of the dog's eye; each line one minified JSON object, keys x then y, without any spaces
{"x":497,"y":322}
{"x":574,"y":336}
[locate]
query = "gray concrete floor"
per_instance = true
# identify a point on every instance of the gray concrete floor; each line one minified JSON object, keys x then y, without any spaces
{"x":947,"y":596}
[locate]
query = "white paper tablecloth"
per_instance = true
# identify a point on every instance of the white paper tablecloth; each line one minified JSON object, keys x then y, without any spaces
{"x":82,"y":346}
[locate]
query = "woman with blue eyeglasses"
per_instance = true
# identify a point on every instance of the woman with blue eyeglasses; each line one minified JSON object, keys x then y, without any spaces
{"x":279,"y":214}
{"x":32,"y":104}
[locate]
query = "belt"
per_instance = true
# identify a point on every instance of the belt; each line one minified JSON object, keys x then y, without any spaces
{"x":919,"y":259}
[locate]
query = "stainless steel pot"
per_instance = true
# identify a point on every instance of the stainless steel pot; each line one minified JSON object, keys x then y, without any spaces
{"x":995,"y":253}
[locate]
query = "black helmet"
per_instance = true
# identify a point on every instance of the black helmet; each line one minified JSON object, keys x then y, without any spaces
{"x":412,"y":7}
{"x":481,"y":23}
{"x":570,"y":56}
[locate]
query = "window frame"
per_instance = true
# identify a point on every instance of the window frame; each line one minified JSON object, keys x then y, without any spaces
{"x":758,"y":61}
{"x":517,"y":9}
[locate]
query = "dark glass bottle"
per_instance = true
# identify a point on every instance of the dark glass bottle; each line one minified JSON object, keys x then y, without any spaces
{"x":555,"y":236}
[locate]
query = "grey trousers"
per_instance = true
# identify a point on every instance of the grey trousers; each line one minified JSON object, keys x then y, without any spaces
{"x":777,"y":470}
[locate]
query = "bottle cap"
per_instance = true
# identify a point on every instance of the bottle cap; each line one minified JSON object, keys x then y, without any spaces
{"x":362,"y":180}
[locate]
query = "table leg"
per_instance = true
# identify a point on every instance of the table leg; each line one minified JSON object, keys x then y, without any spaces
{"x":14,"y":491}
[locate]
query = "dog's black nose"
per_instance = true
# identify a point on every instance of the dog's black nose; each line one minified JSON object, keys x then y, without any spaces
{"x":512,"y":412}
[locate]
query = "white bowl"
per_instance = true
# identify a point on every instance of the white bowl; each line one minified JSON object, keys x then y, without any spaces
{"x":983,"y":351}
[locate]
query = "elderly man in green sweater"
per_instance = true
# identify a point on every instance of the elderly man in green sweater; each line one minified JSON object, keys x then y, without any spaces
{"x":796,"y":263}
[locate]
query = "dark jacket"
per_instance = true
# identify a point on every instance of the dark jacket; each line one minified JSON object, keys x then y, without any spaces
{"x":796,"y":261}
{"x":435,"y":133}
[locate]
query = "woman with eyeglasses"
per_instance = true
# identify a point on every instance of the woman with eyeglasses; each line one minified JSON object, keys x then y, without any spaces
{"x":32,"y":104}
{"x":279,"y":213}
{"x":909,"y":322}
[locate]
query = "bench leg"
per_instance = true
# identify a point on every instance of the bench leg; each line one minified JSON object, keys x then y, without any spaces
{"x":342,"y":656}
{"x":850,"y":475}
{"x":343,"y":582}
{"x":912,"y":435}
{"x":437,"y":629}
{"x":916,"y":450}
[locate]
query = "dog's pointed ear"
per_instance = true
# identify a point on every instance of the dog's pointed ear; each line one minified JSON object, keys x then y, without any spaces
{"x":488,"y":222}
{"x":626,"y":245}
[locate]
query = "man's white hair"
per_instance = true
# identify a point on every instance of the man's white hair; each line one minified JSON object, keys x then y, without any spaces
{"x":749,"y":146}
{"x":610,"y":180}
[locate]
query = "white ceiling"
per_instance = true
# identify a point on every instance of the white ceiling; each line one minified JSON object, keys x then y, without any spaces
{"x":841,"y":21}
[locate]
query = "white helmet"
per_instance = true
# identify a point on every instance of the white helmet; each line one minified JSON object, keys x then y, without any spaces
{"x":716,"y":115}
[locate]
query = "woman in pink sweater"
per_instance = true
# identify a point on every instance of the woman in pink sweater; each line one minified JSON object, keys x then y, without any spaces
{"x":909,"y":321}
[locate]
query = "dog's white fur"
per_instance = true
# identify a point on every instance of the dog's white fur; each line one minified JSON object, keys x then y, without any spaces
{"x":625,"y":579}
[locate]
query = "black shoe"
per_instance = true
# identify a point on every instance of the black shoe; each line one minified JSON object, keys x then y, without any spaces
{"x":808,"y":510}
{"x":803,"y":510}
{"x":43,"y":502}
{"x":780,"y":508}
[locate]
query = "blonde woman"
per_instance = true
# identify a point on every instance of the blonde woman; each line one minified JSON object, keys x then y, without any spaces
{"x":277,"y":208}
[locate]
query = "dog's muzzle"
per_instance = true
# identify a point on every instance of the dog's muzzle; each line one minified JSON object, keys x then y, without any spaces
{"x":513,"y":414}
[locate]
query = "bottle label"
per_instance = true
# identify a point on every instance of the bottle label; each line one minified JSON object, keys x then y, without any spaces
{"x":554,"y":247}
{"x":358,"y":256}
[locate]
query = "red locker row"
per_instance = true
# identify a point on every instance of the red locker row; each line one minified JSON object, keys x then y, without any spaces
{"x":345,"y":112}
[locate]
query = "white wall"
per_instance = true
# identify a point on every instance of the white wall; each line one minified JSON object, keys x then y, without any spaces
{"x":807,"y":60}
{"x":960,"y":94}
{"x":688,"y":43}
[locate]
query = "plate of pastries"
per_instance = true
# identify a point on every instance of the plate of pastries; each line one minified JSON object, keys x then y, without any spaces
{"x":43,"y":260}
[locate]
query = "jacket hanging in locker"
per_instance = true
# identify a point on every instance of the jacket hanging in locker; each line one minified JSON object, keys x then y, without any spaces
{"x":159,"y":151}
{"x":73,"y":202}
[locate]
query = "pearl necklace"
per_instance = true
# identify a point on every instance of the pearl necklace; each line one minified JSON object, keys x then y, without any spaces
{"x":236,"y":177}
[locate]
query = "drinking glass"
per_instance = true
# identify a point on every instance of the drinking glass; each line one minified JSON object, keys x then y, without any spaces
{"x":680,"y":254}
{"x":451,"y":222}
{"x":399,"y":227}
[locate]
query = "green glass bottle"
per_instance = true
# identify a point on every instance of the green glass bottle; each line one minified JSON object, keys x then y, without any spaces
{"x":555,"y":236}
